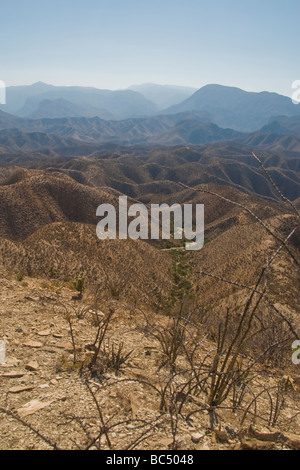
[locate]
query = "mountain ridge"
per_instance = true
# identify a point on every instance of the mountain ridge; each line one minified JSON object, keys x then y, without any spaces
{"x":229,"y":107}
{"x":236,"y":108}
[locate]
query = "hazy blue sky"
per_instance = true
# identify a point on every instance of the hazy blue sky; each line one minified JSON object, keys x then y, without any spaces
{"x":252,"y":44}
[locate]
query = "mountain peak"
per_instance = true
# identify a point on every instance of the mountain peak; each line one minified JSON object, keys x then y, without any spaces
{"x":40,"y":85}
{"x":236,"y":108}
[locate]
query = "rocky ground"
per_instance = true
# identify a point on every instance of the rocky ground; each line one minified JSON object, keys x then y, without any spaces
{"x":50,"y":399}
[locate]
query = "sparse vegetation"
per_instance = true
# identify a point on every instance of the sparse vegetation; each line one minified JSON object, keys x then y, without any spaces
{"x":79,"y":285}
{"x":117,"y":357}
{"x":20,"y":277}
{"x":164,"y":342}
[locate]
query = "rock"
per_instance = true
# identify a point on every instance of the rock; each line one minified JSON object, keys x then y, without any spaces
{"x":44,"y":333}
{"x":248,"y":443}
{"x":57,"y":335}
{"x":33,"y":344}
{"x":13,"y":375}
{"x":33,"y":407}
{"x":221,"y":436}
{"x":33,"y":366}
{"x":196,"y":437}
{"x":61,"y":398}
{"x":264,"y":436}
{"x":289,"y":439}
{"x":20,"y":389}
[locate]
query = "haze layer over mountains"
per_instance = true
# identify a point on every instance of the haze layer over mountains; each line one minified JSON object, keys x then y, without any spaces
{"x":44,"y":116}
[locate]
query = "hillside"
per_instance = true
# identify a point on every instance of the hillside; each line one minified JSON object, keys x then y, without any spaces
{"x":129,"y":327}
{"x":14,"y":140}
{"x":145,"y":326}
{"x":42,"y":385}
{"x":142,"y":171}
{"x":273,"y":142}
{"x":95,"y":130}
{"x":284,"y":125}
{"x":33,"y":199}
{"x":195,"y":133}
{"x":61,"y":108}
{"x":43,"y":204}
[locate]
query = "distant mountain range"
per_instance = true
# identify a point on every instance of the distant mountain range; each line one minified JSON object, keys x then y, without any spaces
{"x":227,"y":107}
{"x":47,"y":121}
{"x":33,"y":101}
{"x":189,"y":128}
{"x":166,"y":130}
{"x":60,"y":108}
{"x":237,"y":109}
{"x":283,"y":125}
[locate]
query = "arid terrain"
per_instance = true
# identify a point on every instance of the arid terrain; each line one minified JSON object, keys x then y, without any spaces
{"x":43,"y":386}
{"x":149,"y":228}
{"x":123,"y":344}
{"x":141,"y":344}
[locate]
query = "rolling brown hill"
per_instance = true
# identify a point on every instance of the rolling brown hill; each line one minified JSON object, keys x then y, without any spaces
{"x":14,"y":140}
{"x":273,"y":142}
{"x":239,"y":252}
{"x":48,"y":239}
{"x":132,"y":172}
{"x":65,"y":250}
{"x":50,"y":195}
{"x":48,"y":224}
{"x":32,"y":199}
